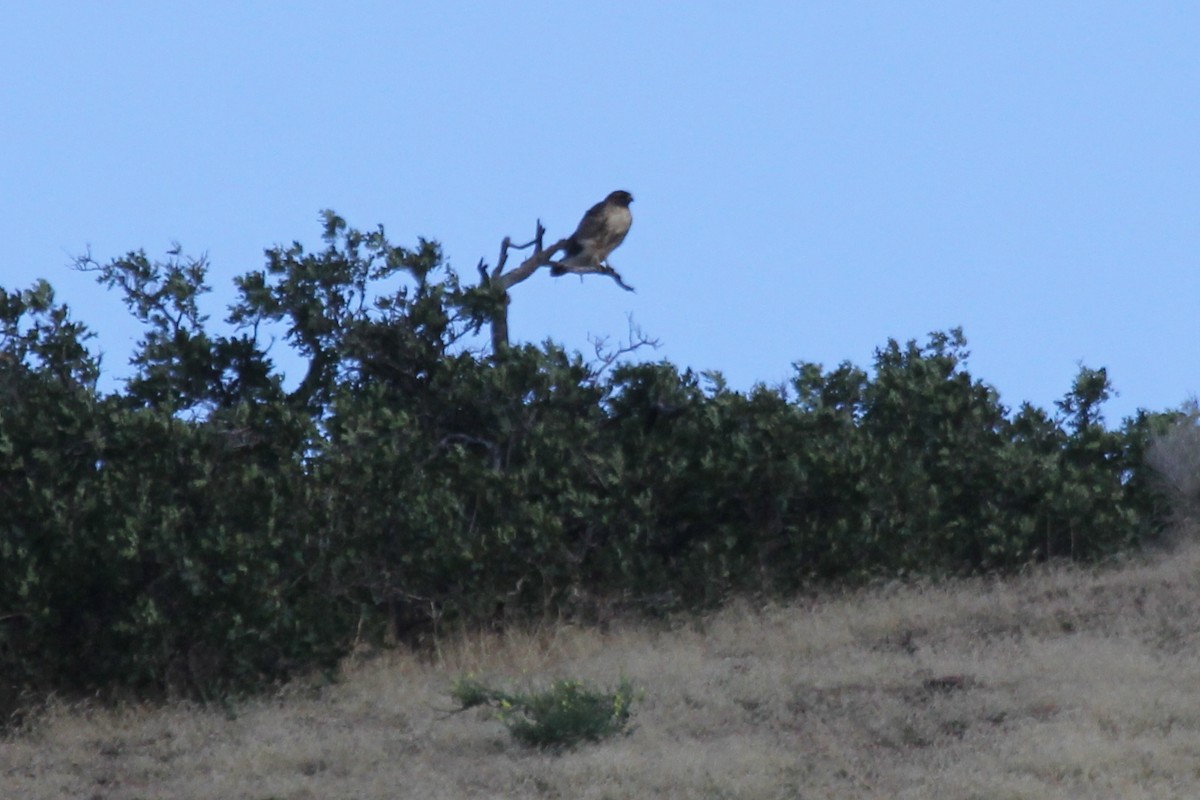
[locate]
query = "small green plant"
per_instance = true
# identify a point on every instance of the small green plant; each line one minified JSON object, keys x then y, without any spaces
{"x":561,"y":716}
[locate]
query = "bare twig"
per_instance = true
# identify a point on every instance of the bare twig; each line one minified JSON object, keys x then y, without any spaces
{"x":606,"y":357}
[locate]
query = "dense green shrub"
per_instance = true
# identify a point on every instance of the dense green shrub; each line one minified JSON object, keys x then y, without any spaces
{"x":566,"y":714}
{"x":205,"y":529}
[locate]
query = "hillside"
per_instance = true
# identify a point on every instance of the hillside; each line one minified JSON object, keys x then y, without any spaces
{"x":1064,"y":682}
{"x":207,"y":530}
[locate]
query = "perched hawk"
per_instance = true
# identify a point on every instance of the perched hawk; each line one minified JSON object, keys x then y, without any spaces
{"x":601,"y":231}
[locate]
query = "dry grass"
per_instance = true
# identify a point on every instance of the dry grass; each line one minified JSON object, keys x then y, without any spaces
{"x":1061,"y":684}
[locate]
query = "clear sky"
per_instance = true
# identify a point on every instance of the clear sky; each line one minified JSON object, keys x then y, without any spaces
{"x":810,"y":178}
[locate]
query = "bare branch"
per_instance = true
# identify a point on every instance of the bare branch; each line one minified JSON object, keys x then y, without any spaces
{"x":606,"y":357}
{"x":536,"y":243}
{"x":542,"y":257}
{"x":603,"y":270}
{"x":504,"y":245}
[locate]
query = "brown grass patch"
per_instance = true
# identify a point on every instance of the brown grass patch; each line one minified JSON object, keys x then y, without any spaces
{"x":1064,"y":683}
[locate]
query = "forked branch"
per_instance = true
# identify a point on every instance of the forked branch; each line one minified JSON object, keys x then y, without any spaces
{"x":607,"y":355}
{"x":542,"y":257}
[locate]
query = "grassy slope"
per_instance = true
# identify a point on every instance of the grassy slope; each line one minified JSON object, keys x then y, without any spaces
{"x":1064,"y":683}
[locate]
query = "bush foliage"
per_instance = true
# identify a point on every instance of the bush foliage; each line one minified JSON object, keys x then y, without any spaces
{"x":207,"y":529}
{"x":565,"y":714}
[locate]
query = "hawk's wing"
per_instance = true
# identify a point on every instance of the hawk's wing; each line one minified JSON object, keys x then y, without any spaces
{"x":590,"y":227}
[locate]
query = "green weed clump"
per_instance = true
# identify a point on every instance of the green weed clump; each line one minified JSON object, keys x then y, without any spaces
{"x":564,"y":715}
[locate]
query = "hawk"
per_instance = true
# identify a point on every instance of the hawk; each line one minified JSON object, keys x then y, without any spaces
{"x":601,"y":231}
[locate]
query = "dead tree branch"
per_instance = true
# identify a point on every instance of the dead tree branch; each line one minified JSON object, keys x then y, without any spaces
{"x":542,"y":257}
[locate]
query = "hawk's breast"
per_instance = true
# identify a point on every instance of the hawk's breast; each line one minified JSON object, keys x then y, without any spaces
{"x":618,"y":220}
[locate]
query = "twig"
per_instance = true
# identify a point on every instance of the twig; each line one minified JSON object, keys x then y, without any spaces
{"x":638,"y":339}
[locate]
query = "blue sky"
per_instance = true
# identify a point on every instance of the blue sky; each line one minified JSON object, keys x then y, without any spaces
{"x":810,"y":178}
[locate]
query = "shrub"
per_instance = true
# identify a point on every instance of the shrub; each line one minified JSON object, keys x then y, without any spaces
{"x":204,"y":530}
{"x":563,"y":715}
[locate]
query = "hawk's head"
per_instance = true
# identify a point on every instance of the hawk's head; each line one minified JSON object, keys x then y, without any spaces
{"x":619,"y":198}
